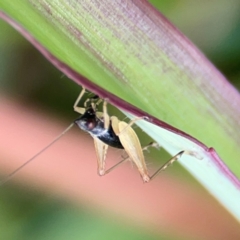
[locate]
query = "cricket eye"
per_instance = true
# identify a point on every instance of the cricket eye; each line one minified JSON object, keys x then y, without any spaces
{"x":91,"y":124}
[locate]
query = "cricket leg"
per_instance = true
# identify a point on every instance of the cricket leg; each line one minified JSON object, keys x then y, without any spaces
{"x":106,"y":118}
{"x":152,"y":144}
{"x":101,"y":152}
{"x":116,"y":165}
{"x":131,"y":145}
{"x":167,"y":164}
{"x":94,"y":101}
{"x":77,"y":109}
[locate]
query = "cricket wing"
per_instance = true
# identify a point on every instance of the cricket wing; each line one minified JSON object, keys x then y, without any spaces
{"x":132,"y":146}
{"x":101,"y":151}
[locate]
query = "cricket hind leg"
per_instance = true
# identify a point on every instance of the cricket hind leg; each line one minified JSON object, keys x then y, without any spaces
{"x":145,"y":148}
{"x":167,"y":164}
{"x":153,"y":144}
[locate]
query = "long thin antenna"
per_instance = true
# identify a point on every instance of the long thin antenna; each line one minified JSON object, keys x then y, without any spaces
{"x":11,"y":175}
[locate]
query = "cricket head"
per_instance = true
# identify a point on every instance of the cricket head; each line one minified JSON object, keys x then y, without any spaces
{"x":89,"y":122}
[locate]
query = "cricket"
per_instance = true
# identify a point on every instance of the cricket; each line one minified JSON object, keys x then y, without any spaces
{"x":110,"y":131}
{"x":107,"y":131}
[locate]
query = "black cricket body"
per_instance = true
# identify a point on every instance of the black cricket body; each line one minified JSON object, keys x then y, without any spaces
{"x":90,"y":123}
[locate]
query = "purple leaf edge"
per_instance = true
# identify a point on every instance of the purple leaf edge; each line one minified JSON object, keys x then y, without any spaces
{"x":114,"y":100}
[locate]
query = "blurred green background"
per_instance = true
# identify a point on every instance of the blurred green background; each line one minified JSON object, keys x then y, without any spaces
{"x":214,"y":26}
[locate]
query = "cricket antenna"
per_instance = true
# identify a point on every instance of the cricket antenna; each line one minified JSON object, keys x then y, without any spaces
{"x":11,"y":175}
